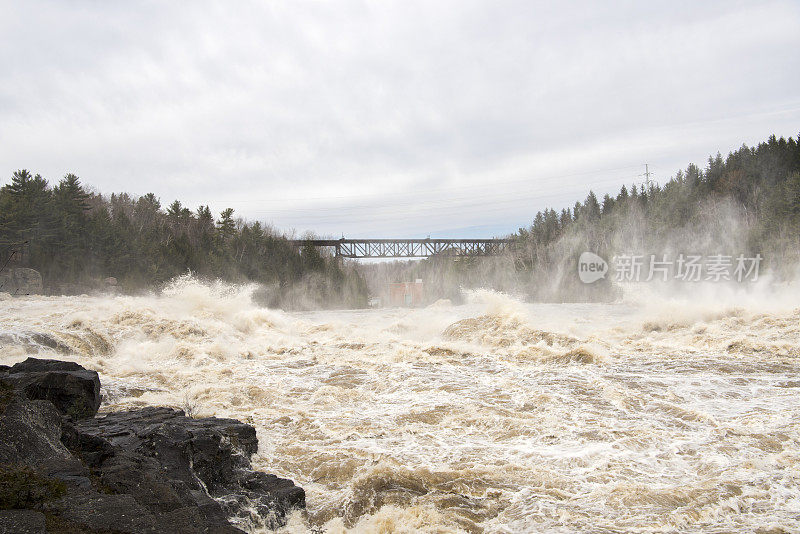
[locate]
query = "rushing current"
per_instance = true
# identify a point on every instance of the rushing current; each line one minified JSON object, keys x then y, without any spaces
{"x":494,"y":416}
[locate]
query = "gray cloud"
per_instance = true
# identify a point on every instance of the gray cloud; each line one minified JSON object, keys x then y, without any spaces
{"x":403,"y":118}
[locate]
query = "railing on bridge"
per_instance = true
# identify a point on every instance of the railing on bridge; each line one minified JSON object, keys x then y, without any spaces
{"x":408,"y":248}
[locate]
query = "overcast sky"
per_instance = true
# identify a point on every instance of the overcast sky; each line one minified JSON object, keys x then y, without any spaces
{"x":388,"y":119}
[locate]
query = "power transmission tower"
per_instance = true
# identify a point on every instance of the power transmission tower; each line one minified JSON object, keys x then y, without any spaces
{"x":647,"y":175}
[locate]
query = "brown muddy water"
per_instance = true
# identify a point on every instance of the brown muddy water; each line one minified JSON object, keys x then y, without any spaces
{"x":495,"y":416}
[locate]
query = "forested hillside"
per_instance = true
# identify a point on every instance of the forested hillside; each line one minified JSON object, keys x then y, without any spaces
{"x":76,"y":238}
{"x":746,"y":203}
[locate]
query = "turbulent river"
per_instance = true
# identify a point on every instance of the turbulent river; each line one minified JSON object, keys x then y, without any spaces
{"x":494,"y":416}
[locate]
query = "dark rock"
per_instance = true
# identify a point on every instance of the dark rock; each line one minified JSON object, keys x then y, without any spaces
{"x":7,"y":394}
{"x":144,"y":471}
{"x":22,"y":487}
{"x":91,"y":449}
{"x":273,"y":494}
{"x":73,"y":390}
{"x":73,"y":481}
{"x":30,"y":435}
{"x":95,"y":511}
{"x":167,"y":460}
{"x":36,"y":340}
{"x":38,"y":365}
{"x":22,"y":522}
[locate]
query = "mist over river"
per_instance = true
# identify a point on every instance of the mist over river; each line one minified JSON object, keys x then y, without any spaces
{"x":495,"y":416}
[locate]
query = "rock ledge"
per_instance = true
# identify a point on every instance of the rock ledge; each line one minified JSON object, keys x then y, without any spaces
{"x":153,"y":470}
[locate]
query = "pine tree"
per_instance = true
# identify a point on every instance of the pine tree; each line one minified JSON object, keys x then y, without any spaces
{"x":608,"y":204}
{"x":226,"y":227}
{"x":70,"y":204}
{"x":591,"y":208}
{"x":174,"y":210}
{"x":30,"y":216}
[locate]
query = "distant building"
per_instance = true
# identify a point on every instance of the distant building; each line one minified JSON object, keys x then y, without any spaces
{"x":407,"y":294}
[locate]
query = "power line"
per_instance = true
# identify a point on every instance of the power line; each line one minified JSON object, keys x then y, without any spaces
{"x":385,"y":203}
{"x":386,"y":213}
{"x":492,"y":185}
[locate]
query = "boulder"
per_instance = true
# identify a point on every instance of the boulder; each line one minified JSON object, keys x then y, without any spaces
{"x":37,"y":365}
{"x":20,"y":281}
{"x":146,"y":471}
{"x":30,"y":435}
{"x":73,"y":390}
{"x":168,"y":461}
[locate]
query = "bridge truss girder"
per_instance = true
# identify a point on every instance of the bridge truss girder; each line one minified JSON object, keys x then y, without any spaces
{"x":409,"y":248}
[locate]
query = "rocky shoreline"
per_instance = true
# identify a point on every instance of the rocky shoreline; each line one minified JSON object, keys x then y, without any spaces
{"x":152,"y":470}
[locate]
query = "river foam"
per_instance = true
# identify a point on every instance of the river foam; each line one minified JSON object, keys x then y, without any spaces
{"x":495,"y":416}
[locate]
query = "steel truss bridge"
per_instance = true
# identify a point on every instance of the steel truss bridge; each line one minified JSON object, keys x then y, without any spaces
{"x":408,"y":248}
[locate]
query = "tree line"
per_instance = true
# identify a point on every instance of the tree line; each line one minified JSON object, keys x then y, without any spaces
{"x":748,"y":202}
{"x":76,"y":238}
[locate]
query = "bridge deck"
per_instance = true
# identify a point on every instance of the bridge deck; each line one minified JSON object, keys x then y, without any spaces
{"x":408,"y":248}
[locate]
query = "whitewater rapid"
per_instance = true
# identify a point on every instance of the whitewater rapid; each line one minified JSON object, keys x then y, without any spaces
{"x":495,"y":416}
